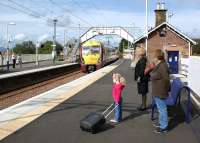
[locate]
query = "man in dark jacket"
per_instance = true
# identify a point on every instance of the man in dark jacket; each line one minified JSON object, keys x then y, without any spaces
{"x":160,"y":88}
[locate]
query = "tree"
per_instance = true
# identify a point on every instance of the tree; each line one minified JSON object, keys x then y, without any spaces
{"x":59,"y":48}
{"x":27,"y":47}
{"x":196,"y":48}
{"x":46,"y":48}
{"x":123,"y":45}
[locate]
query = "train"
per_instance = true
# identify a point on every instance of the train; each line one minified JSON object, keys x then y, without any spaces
{"x":95,"y":55}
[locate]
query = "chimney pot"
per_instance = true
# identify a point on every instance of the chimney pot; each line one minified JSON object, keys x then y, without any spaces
{"x":158,"y":6}
{"x":162,"y":6}
{"x":160,"y":13}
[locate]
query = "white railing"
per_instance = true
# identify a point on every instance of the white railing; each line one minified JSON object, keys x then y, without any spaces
{"x":183,"y":67}
{"x":29,"y":58}
{"x":194,"y":74}
{"x":189,"y":69}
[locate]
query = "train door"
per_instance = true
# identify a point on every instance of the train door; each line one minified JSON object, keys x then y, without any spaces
{"x":173,"y":61}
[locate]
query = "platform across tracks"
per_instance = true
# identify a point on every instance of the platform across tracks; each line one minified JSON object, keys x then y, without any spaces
{"x":61,"y":124}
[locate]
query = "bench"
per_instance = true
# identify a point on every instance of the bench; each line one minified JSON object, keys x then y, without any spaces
{"x":174,"y":99}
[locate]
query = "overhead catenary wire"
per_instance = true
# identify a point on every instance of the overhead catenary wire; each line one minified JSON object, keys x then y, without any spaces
{"x":55,"y":15}
{"x":30,"y":10}
{"x":84,"y":10}
{"x":98,"y":8}
{"x":19,"y":10}
{"x":68,"y":11}
{"x":46,"y":8}
{"x":38,"y":15}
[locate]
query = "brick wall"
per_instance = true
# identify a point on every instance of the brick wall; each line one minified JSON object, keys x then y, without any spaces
{"x":171,"y":42}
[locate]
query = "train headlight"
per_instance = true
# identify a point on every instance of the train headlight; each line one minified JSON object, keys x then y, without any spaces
{"x":83,"y":61}
{"x":99,"y":60}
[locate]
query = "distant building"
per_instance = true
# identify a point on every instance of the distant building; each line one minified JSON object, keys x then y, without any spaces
{"x":166,"y":37}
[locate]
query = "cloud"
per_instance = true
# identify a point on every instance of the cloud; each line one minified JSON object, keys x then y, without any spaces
{"x":111,"y":14}
{"x":184,"y":1}
{"x":62,"y":21}
{"x":187,"y":21}
{"x":43,"y":37}
{"x":20,"y":37}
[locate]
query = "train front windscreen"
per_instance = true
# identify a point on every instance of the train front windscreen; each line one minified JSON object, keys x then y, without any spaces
{"x":91,"y":54}
{"x":90,"y":50}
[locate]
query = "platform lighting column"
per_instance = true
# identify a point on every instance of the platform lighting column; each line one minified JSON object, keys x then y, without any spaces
{"x":36,"y":54}
{"x":54,"y":41}
{"x":128,"y":41}
{"x":79,"y":29}
{"x":8,"y":44}
{"x":146,"y":28}
{"x":65,"y":44}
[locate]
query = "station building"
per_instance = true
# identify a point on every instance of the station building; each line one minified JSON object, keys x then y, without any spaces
{"x":168,"y":38}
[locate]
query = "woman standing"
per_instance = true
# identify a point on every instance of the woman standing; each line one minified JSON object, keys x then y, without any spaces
{"x":160,"y":88}
{"x":142,"y":78}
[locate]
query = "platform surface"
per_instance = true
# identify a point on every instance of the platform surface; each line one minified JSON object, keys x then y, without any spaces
{"x":29,"y":66}
{"x":61,"y":124}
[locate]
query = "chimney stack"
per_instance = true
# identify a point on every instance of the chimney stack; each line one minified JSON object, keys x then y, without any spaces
{"x":161,"y":13}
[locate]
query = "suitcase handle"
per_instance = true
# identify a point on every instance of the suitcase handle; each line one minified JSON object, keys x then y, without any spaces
{"x":111,"y":110}
{"x":108,"y":108}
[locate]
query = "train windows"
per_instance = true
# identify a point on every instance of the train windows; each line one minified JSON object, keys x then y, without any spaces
{"x":85,"y":50}
{"x":91,"y":50}
{"x":95,"y":50}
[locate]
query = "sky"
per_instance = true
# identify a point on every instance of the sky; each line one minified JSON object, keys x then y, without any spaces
{"x":33,"y":18}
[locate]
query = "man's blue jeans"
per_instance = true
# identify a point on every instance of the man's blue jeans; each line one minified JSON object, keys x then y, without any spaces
{"x":162,"y":109}
{"x":118,"y":112}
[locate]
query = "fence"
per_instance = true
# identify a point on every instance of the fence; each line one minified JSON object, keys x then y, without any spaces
{"x":190,"y":69}
{"x":30,"y":58}
{"x":193,"y":74}
{"x":184,"y":66}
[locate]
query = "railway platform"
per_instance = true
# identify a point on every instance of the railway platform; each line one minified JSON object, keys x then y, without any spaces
{"x":29,"y":66}
{"x":54,"y":116}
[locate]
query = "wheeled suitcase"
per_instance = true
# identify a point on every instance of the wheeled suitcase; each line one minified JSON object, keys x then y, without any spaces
{"x":94,"y":121}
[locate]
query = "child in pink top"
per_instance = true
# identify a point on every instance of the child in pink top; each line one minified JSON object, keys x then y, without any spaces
{"x":118,"y":85}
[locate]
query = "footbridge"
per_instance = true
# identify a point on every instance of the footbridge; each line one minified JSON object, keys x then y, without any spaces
{"x":116,"y":30}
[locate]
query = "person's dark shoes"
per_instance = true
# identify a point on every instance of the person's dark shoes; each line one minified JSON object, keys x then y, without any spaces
{"x":160,"y":130}
{"x":141,"y":108}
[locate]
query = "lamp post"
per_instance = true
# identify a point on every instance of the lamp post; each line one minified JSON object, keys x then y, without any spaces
{"x":79,"y":30}
{"x":36,"y":54}
{"x":54,"y":41}
{"x":146,"y":28}
{"x":65,"y":44}
{"x":8,"y":43}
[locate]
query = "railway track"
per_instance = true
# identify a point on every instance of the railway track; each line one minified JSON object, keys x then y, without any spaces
{"x":17,"y":96}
